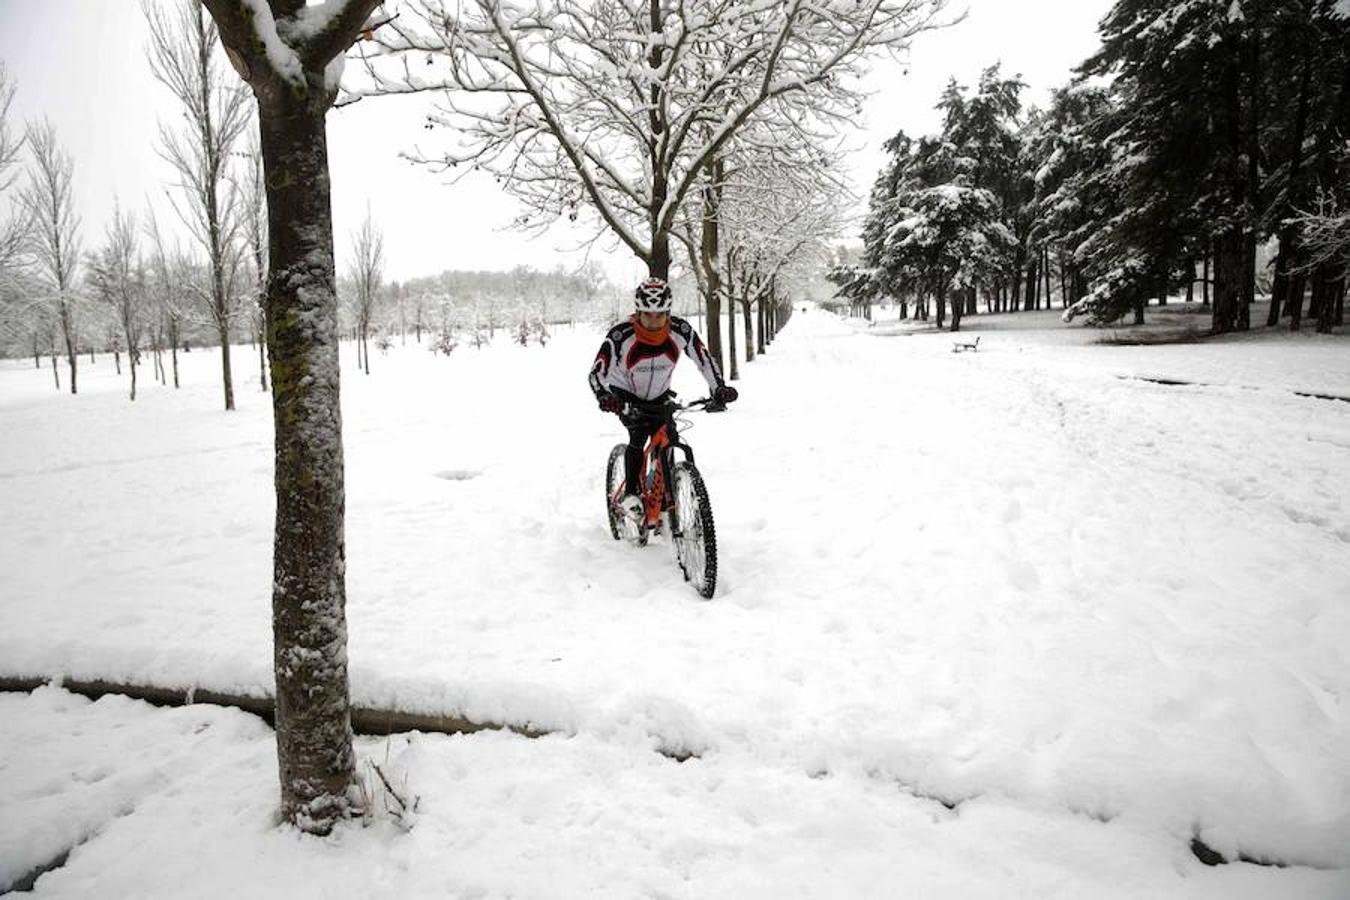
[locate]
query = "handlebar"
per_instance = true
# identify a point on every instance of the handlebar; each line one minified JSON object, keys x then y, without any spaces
{"x":666,"y":406}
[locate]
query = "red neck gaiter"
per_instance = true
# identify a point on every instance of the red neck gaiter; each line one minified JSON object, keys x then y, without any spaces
{"x":648,"y":336}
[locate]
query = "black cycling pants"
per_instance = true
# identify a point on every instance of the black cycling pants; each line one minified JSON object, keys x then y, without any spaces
{"x":639,"y":430}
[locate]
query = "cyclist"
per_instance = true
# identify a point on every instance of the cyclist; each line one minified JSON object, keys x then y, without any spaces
{"x":636,"y":362}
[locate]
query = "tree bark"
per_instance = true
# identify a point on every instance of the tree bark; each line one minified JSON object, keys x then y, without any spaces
{"x":1331,"y":277}
{"x":748,"y":331}
{"x":732,"y":372}
{"x":314,"y":737}
{"x":1293,"y":303}
{"x":173,"y":351}
{"x":1045,"y":268}
{"x":763,"y":324}
{"x":223,"y":331}
{"x":67,"y":327}
{"x":1230,"y":247}
{"x":1289,"y":233}
{"x":1228,"y":271}
{"x":709,"y":252}
{"x":131,"y":356}
{"x":262,"y":361}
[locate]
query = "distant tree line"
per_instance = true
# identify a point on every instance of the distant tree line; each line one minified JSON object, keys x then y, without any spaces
{"x":1197,"y":135}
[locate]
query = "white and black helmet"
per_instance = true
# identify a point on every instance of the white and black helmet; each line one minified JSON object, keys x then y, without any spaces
{"x":653,"y":295}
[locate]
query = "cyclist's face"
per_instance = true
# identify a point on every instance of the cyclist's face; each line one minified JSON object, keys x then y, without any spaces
{"x":653,"y":321}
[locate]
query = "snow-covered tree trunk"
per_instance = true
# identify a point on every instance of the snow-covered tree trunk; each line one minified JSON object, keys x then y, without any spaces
{"x":251,"y":195}
{"x":761,"y":323}
{"x":309,"y":592}
{"x":710,"y":261}
{"x":289,"y":57}
{"x":733,"y":372}
{"x":1228,"y":269}
{"x":748,"y":330}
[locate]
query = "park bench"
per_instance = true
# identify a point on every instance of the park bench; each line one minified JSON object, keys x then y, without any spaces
{"x":959,"y":346}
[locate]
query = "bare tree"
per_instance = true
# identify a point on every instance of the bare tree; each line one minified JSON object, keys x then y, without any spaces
{"x":291,"y":56}
{"x":620,"y":106}
{"x":19,"y":326}
{"x":54,"y":239}
{"x":250,"y":198}
{"x":592,"y":283}
{"x":14,"y":231}
{"x":216,"y":112}
{"x":367,"y":269}
{"x":120,"y":281}
{"x":1327,"y":239}
{"x":170,"y":273}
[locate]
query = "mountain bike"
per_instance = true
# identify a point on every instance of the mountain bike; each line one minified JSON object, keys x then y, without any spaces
{"x":673,"y":496}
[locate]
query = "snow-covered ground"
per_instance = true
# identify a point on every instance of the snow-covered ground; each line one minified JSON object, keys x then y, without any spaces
{"x":1006,"y":623}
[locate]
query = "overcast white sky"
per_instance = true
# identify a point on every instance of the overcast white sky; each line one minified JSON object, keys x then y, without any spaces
{"x":83,"y":64}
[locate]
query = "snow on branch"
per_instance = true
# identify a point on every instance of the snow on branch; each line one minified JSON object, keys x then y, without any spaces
{"x":620,"y":105}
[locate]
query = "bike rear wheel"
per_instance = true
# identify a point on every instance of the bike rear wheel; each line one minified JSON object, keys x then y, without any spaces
{"x":613,"y":482}
{"x":620,"y":525}
{"x":692,"y":530}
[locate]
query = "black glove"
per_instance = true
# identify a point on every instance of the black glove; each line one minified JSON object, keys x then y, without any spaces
{"x":609,"y":403}
{"x":725,"y":394}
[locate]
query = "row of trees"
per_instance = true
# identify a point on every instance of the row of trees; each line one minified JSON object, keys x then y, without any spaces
{"x":54,"y":294}
{"x":1196,"y":134}
{"x":707,"y":126}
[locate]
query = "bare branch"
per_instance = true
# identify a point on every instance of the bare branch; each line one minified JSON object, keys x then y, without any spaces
{"x":622,"y":106}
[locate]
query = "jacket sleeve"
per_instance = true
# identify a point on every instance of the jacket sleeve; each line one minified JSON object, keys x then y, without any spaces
{"x":695,"y":350}
{"x":600,"y":368}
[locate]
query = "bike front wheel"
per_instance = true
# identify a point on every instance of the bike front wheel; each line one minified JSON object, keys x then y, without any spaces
{"x":692,"y":530}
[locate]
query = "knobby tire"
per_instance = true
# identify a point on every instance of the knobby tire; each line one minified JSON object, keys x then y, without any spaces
{"x":613,"y":481}
{"x":693,"y":530}
{"x":620,"y":526}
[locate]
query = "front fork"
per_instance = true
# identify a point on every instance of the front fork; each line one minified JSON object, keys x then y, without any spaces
{"x":660,"y":481}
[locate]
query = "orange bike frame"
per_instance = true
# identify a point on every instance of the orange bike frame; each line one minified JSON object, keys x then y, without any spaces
{"x":652,"y":496}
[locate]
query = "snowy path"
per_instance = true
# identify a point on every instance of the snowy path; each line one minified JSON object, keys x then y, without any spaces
{"x":1009,"y":580}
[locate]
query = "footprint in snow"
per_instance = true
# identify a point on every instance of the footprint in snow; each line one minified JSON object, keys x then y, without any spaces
{"x":459,"y":474}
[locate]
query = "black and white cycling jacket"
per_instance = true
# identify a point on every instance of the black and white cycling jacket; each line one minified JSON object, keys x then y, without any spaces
{"x":643,"y":369}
